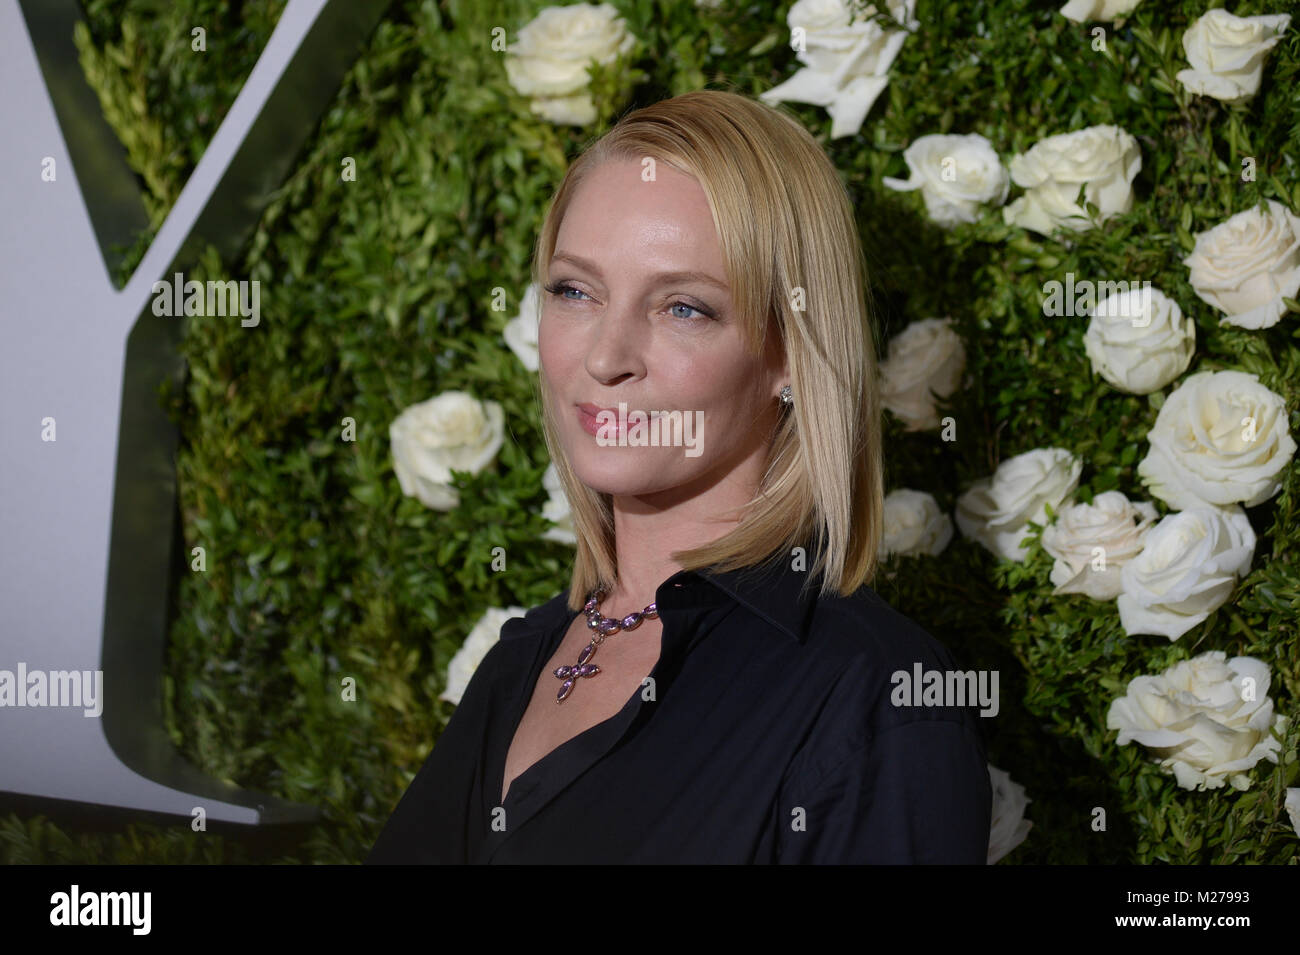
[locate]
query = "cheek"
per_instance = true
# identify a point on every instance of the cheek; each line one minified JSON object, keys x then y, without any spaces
{"x":551,"y":351}
{"x":728,"y":396}
{"x":730,"y":390}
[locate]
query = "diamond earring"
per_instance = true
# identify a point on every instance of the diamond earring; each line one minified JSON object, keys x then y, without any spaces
{"x":787,"y":396}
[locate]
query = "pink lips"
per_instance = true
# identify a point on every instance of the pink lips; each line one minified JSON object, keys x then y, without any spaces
{"x":587,"y":413}
{"x":587,"y":418}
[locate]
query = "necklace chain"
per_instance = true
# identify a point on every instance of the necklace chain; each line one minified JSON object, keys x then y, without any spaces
{"x":603,"y":626}
{"x":600,"y":627}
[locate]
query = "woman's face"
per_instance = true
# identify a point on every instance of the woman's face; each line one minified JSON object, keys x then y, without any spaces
{"x":623,"y":330}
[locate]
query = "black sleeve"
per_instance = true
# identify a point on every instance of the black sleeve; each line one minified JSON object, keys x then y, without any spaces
{"x":419,"y":831}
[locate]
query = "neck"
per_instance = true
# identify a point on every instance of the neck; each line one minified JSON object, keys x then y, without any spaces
{"x":646,"y":539}
{"x":650,"y":528}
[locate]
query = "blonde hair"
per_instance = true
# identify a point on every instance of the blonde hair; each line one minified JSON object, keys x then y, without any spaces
{"x":794,"y":261}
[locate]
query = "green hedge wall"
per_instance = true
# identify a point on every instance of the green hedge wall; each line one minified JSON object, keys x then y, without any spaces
{"x":378,"y":293}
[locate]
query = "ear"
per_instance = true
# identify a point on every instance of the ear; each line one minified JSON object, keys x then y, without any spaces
{"x":778,"y":363}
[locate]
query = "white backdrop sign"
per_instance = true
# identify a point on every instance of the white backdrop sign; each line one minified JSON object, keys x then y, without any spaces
{"x":89,"y":546}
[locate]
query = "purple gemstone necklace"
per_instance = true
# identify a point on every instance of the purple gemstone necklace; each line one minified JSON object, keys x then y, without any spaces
{"x":601,"y":627}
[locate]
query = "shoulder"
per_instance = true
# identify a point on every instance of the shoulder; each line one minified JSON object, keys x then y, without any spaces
{"x":862,"y":629}
{"x":872,"y":653}
{"x":514,"y":644}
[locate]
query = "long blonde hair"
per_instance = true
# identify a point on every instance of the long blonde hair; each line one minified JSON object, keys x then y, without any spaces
{"x":787,"y":229}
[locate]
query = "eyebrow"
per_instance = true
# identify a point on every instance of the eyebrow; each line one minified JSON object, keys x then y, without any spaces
{"x":671,"y":276}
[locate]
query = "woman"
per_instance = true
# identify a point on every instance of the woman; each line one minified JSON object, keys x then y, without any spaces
{"x":715,"y":684}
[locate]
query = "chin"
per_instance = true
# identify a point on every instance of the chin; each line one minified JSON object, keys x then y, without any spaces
{"x":631,"y":476}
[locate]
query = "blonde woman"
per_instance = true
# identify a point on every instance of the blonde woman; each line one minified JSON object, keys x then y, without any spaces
{"x":717,"y":683}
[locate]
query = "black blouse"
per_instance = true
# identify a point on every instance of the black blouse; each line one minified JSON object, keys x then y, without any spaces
{"x":767,"y":733}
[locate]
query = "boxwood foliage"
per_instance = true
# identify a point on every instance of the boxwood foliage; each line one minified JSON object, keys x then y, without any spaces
{"x":380,"y":292}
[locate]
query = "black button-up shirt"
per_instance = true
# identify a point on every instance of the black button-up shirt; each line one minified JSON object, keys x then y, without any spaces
{"x":772,"y":737}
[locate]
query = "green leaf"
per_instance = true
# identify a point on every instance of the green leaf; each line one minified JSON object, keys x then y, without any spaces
{"x":1280,"y":190}
{"x":367,"y":494}
{"x":768,"y":41}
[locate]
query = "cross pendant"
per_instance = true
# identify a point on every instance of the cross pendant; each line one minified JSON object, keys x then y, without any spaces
{"x":570,"y":674}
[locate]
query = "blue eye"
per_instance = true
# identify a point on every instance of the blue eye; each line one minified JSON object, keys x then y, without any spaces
{"x":559,"y":288}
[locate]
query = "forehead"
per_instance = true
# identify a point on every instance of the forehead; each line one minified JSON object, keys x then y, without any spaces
{"x":614,"y":212}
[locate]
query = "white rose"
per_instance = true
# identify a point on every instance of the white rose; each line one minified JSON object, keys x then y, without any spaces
{"x":1082,"y":11}
{"x":846,"y":59}
{"x":1102,"y":159}
{"x":996,"y":511}
{"x":1220,"y":438}
{"x":1227,"y":53}
{"x":1139,"y":340}
{"x":924,"y":361}
{"x":1293,"y":808}
{"x":955,"y":174}
{"x":481,"y":639}
{"x":576,"y":110}
{"x":556,"y":509}
{"x":1187,"y":569}
{"x":1202,"y":719}
{"x":1247,"y":264}
{"x":913,"y":524}
{"x":1008,"y":826}
{"x":451,"y":431}
{"x":520,"y":332}
{"x":549,"y":60}
{"x":1111,"y":522}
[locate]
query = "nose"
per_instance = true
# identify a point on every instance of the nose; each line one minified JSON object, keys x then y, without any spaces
{"x":615,"y":348}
